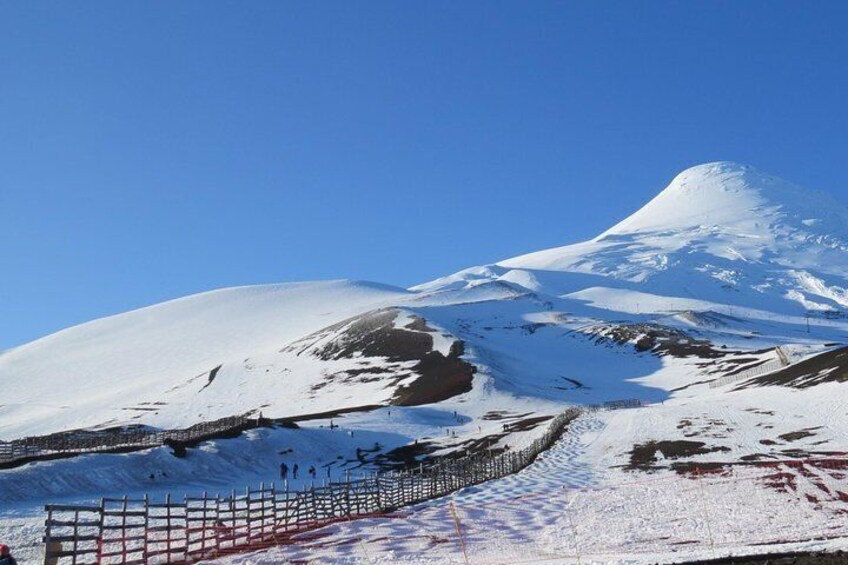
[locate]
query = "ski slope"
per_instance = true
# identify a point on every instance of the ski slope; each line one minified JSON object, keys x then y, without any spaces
{"x":766,"y":255}
{"x":706,"y":280}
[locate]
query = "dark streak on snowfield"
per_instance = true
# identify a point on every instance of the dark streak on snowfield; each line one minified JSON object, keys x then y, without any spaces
{"x":212,"y":374}
{"x":644,"y":457}
{"x":325,"y":415}
{"x":837,"y":558}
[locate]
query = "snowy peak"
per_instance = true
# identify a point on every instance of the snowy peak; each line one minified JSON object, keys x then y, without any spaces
{"x":733,"y":197}
{"x":722,"y":233}
{"x":723,"y":247}
{"x":722,"y":210}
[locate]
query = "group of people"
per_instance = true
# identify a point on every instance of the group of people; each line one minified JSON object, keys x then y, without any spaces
{"x":284,"y":472}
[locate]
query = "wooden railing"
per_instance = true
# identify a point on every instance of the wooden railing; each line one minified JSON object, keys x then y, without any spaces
{"x":78,"y":442}
{"x":139,"y":531}
{"x":768,"y":367}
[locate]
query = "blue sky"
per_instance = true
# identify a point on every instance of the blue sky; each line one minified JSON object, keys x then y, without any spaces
{"x":150,"y":150}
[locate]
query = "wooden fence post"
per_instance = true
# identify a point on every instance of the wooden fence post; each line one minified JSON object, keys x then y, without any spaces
{"x":205,"y":528}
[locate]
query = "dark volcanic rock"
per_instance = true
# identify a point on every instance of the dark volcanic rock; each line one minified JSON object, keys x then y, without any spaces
{"x":441,"y":378}
{"x":643,"y":457}
{"x":374,"y":335}
{"x":390,"y":353}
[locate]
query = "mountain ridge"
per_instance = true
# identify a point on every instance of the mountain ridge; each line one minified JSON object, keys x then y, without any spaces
{"x":728,"y":255}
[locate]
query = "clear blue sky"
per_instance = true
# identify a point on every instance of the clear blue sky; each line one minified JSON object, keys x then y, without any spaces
{"x":150,"y":150}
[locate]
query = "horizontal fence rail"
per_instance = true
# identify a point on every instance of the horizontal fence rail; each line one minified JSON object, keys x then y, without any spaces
{"x":79,"y":442}
{"x":139,"y":531}
{"x":762,"y":369}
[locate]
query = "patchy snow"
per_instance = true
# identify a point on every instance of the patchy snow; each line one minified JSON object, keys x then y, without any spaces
{"x":721,"y":238}
{"x":575,"y":505}
{"x":721,"y":268}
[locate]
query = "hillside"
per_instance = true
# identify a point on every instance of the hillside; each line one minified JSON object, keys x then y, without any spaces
{"x":720,"y":305}
{"x":725,"y":256}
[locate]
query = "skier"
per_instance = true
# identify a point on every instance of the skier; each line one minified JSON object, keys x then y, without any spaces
{"x":6,"y":556}
{"x":312,"y":471}
{"x":294,"y":471}
{"x":284,"y":471}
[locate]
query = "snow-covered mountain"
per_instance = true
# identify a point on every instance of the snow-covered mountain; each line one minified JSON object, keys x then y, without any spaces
{"x":719,"y":231}
{"x":695,"y":304}
{"x":725,"y":260}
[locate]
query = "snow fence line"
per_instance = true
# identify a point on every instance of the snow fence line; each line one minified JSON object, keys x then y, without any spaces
{"x":78,"y":442}
{"x":769,"y":366}
{"x":130,"y":531}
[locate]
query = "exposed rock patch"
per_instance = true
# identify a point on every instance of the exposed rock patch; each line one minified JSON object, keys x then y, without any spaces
{"x":828,"y":367}
{"x":643,"y":457}
{"x":401,"y":356}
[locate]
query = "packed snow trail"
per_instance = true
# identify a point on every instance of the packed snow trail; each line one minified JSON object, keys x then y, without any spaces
{"x":576,"y":504}
{"x":561,"y":466}
{"x":555,"y":469}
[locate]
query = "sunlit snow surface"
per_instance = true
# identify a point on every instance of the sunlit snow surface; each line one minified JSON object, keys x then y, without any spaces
{"x":575,"y":506}
{"x":734,"y":258}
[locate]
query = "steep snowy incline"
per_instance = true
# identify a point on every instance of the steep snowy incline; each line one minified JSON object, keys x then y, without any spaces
{"x":738,"y":199}
{"x":682,"y":306}
{"x":725,"y":256}
{"x":720,"y":232}
{"x":84,"y":375}
{"x":726,"y":210}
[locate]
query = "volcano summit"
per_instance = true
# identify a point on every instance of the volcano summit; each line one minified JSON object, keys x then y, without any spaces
{"x":719,"y":309}
{"x":730,"y":257}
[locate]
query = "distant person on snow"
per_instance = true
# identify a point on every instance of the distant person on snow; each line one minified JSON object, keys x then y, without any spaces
{"x":284,"y":471}
{"x":6,"y":556}
{"x":312,"y":472}
{"x":294,"y":471}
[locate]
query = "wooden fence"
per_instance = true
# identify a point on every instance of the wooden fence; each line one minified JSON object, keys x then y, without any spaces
{"x":77,"y":442}
{"x":623,"y":404}
{"x":140,"y":531}
{"x":761,"y":369}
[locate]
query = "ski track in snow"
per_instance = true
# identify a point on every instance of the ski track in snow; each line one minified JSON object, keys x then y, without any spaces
{"x":725,"y":254}
{"x":410,"y":539}
{"x":561,"y":466}
{"x":559,"y":510}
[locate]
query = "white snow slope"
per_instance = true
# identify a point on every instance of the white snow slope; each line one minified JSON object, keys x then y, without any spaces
{"x":708,"y":278}
{"x":721,"y":238}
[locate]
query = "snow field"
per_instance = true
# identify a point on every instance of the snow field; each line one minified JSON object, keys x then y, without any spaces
{"x":727,"y":254}
{"x":565,"y":508}
{"x":721,"y":238}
